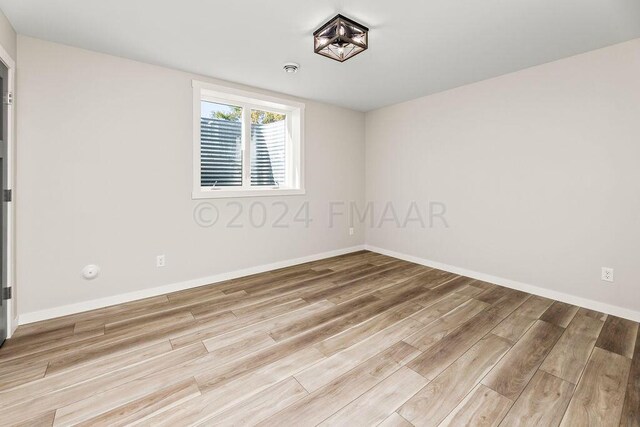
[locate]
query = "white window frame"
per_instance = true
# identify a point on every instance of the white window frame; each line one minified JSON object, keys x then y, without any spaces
{"x":294,"y":111}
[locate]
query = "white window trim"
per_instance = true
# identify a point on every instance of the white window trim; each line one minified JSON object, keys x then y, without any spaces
{"x":248,"y":100}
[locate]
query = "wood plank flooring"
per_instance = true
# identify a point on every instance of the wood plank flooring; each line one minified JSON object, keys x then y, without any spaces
{"x":359,"y":339}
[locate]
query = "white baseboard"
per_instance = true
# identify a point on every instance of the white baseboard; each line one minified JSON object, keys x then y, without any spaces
{"x":151,"y":292}
{"x":508,"y":283}
{"x":65,"y":310}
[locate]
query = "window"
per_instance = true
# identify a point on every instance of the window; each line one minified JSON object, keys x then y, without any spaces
{"x":245,"y":144}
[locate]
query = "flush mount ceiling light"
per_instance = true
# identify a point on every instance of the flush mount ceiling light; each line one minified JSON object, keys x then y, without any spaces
{"x":341,"y":38}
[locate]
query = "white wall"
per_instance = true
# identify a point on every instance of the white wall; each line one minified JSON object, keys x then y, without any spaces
{"x":105,"y":171}
{"x":538,"y":170}
{"x":8,"y":36}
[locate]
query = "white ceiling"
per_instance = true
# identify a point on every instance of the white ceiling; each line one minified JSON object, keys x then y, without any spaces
{"x":417,"y":47}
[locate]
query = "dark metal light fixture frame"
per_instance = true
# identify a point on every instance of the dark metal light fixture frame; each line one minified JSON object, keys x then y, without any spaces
{"x":340,"y":38}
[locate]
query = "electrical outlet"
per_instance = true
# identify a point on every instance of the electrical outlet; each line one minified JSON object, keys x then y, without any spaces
{"x":160,"y":261}
{"x":607,"y":274}
{"x":351,"y":231}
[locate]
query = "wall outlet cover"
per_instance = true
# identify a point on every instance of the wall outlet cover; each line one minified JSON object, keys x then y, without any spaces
{"x":607,"y":274}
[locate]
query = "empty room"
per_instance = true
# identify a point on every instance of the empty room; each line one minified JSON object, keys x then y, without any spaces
{"x":343,"y":213}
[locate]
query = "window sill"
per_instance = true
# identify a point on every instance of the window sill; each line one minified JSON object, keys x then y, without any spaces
{"x":225,"y":194}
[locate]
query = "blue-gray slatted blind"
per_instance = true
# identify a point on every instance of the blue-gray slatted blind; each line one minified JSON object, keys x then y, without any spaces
{"x":221,"y":153}
{"x":268,"y":153}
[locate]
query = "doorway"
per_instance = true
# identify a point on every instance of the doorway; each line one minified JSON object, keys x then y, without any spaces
{"x":7,"y":309}
{"x":4,"y":312}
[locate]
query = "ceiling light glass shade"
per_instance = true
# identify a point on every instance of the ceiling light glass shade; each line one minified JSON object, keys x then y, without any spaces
{"x":341,"y":38}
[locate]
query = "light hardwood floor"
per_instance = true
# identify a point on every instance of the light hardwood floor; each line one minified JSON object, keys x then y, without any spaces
{"x":359,"y":339}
